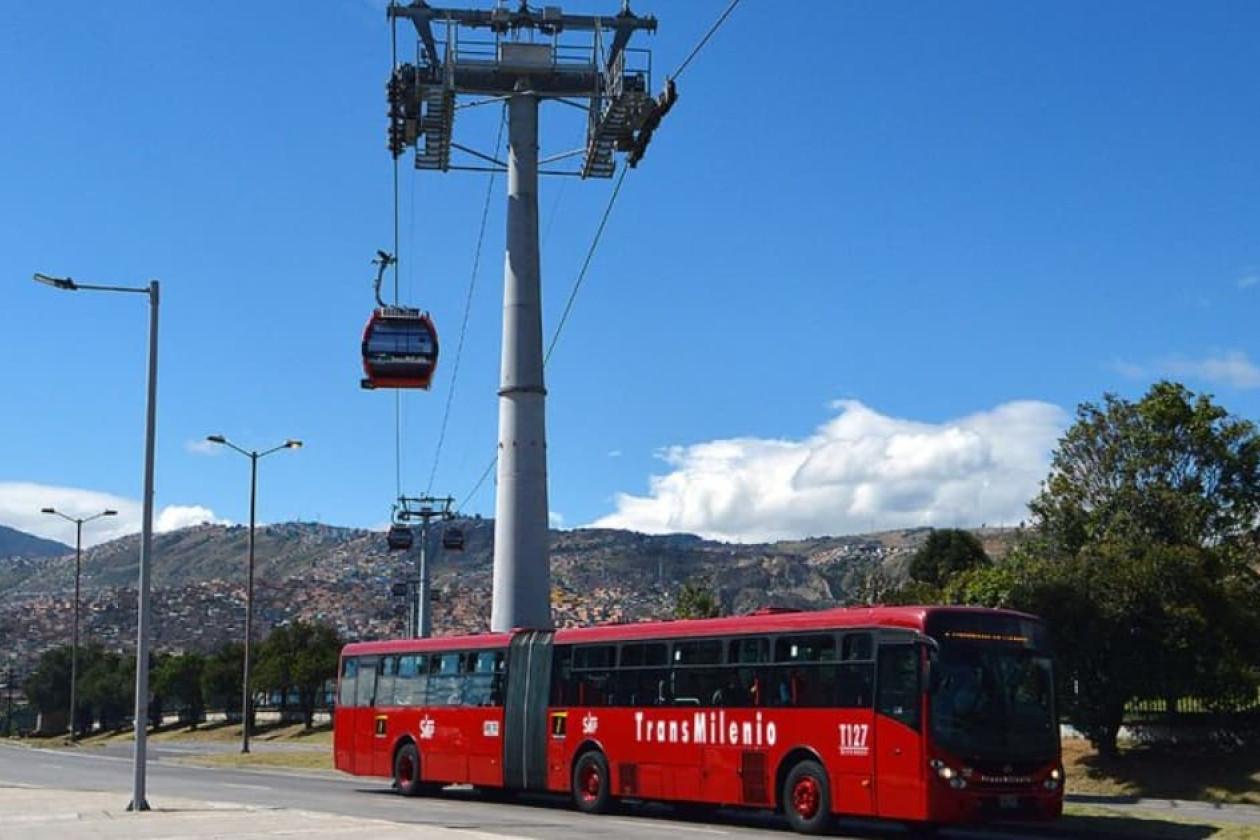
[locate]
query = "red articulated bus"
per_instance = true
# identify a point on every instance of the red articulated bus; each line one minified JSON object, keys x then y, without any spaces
{"x":926,"y":715}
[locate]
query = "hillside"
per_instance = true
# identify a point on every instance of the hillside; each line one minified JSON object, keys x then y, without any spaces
{"x":15,"y":543}
{"x":344,"y":576}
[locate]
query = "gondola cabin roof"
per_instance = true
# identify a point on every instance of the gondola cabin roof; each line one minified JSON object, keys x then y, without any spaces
{"x":400,"y":348}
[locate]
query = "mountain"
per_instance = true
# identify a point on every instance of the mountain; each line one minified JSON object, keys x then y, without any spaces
{"x":344,"y":576}
{"x":15,"y":543}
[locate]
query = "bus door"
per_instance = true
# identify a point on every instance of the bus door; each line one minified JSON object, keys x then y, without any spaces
{"x":483,"y":692}
{"x":444,"y":751}
{"x":526,"y":728}
{"x":364,"y":716}
{"x":344,"y":716}
{"x":899,"y":756}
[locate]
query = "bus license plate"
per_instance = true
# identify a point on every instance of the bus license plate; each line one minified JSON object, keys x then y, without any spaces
{"x":1008,"y":802}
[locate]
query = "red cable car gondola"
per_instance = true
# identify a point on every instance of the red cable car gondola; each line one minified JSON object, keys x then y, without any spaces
{"x":400,"y":348}
{"x":400,"y":344}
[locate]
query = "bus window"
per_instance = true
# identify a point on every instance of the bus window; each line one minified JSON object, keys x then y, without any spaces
{"x":644,"y":655}
{"x":857,"y":646}
{"x":897,"y":694}
{"x":561,"y":676}
{"x":349,"y":671}
{"x":445,"y":682}
{"x":385,"y":681}
{"x":410,"y":681}
{"x":365,"y":685}
{"x":748,"y":650}
{"x":483,"y":679}
{"x":855,"y":685}
{"x":593,"y":657}
{"x":706,"y":652}
{"x":592,"y":675}
{"x":805,"y":649}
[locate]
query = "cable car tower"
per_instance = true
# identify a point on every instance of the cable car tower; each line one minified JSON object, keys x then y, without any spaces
{"x":521,"y":59}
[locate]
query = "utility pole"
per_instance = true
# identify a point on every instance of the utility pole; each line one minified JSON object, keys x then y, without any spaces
{"x":526,"y":62}
{"x":8,"y":717}
{"x":78,"y":570}
{"x":419,"y":607}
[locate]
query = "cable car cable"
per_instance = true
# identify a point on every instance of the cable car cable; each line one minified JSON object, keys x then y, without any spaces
{"x":712,"y":29}
{"x":463,"y":327}
{"x":586,"y":264}
{"x":599,"y":232}
{"x":568,"y":307}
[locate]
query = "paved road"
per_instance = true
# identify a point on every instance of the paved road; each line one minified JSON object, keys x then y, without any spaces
{"x":544,"y":818}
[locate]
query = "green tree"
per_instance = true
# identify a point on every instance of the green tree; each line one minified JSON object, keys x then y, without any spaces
{"x":1139,"y":558}
{"x":299,"y":657}
{"x":946,"y":553}
{"x":107,"y":685}
{"x":313,"y":666}
{"x":221,"y":678}
{"x":1173,"y":468}
{"x":48,"y":686}
{"x":695,"y":600}
{"x":178,"y":679}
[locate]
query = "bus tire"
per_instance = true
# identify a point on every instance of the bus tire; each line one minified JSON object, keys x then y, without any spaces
{"x":591,"y":785}
{"x":407,"y":771}
{"x":806,"y":798}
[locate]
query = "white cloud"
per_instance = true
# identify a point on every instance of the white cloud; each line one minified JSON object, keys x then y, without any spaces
{"x":1130,"y":370}
{"x":174,"y":517}
{"x":555,"y":519}
{"x":21,"y":502}
{"x":614,"y":453}
{"x":201,"y":446}
{"x":859,"y":471}
{"x":1248,"y":281}
{"x":1232,"y":369}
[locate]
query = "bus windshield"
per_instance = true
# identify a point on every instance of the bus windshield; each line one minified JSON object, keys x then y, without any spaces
{"x":994,"y":702}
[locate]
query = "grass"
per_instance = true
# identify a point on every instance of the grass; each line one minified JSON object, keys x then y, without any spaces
{"x":319,"y":736}
{"x":1164,"y":772}
{"x":304,"y":760}
{"x":1101,"y":821}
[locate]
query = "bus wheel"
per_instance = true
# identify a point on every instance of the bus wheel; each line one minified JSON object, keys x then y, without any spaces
{"x":806,"y":798}
{"x":591,"y":783}
{"x":407,"y":771}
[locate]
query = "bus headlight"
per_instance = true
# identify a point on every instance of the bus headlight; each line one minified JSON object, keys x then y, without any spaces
{"x":958,"y":783}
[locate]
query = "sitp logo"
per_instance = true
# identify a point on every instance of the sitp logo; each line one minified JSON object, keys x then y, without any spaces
{"x":427,"y":727}
{"x":590,"y":724}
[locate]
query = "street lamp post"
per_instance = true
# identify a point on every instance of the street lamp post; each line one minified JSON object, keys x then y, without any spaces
{"x":78,"y":567}
{"x":138,"y":800}
{"x":253,"y":456}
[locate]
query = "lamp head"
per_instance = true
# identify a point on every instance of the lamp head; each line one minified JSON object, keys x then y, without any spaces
{"x":110,"y":513}
{"x":293,"y":444}
{"x":216,"y":438}
{"x":47,"y":510}
{"x":56,"y":282}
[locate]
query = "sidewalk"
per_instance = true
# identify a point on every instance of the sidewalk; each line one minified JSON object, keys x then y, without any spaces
{"x":31,"y":813}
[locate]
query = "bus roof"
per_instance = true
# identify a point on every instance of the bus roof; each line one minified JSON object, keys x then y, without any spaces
{"x":910,"y":617}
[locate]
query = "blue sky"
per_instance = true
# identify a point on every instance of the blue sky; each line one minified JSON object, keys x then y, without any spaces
{"x":873,"y":259}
